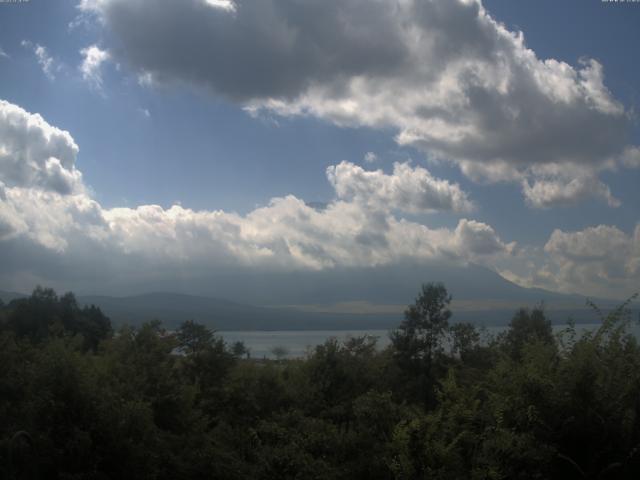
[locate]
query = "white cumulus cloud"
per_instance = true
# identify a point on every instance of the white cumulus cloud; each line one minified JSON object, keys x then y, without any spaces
{"x":595,"y":257}
{"x":54,"y":227}
{"x":408,"y":189}
{"x":479,"y":239}
{"x":555,"y":192}
{"x":601,"y":261}
{"x":443,"y":74}
{"x":36,"y":154}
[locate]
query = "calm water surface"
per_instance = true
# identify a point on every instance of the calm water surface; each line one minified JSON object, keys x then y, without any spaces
{"x":298,"y":343}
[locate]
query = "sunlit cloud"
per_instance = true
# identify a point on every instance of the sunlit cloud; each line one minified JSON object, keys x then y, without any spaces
{"x":93,"y":59}
{"x":447,"y":77}
{"x":44,"y":201}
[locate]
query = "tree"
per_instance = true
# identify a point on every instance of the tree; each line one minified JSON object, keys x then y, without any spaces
{"x":94,"y":326}
{"x":31,"y":317}
{"x":44,"y":315}
{"x":239,"y":349}
{"x":419,"y":337}
{"x":418,"y":340}
{"x":528,"y":326}
{"x":194,"y":338}
{"x":280,"y":352}
{"x":464,"y":339}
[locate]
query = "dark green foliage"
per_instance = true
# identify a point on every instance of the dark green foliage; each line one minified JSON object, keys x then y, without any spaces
{"x":418,"y":341}
{"x":44,"y":315}
{"x":239,"y":349}
{"x":527,"y":326}
{"x":465,"y":341}
{"x":77,"y":402}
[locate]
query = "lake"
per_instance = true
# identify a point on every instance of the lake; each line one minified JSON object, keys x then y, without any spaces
{"x":298,"y":342}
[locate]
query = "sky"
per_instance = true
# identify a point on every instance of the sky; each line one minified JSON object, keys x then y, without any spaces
{"x":147,"y":139}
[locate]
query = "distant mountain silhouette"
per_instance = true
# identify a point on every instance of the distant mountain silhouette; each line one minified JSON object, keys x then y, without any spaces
{"x":480,"y":296}
{"x":6,"y":297}
{"x":316,"y":300}
{"x":398,"y":284}
{"x":172,"y":309}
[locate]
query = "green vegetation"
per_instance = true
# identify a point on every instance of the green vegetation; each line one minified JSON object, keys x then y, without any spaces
{"x":78,"y":401}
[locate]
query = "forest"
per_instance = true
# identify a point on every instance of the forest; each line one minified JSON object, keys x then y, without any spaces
{"x":79,"y":400}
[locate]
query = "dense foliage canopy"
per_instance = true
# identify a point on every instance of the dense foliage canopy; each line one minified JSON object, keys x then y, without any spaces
{"x":78,"y":401}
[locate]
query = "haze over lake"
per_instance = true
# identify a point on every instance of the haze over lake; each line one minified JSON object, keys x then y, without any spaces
{"x":299,"y":344}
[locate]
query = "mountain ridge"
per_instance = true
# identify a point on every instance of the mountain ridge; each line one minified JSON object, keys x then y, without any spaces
{"x":330,"y":300}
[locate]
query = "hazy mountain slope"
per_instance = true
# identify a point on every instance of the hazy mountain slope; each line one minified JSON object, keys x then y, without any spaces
{"x":316,"y":300}
{"x":480,"y":296}
{"x":6,"y":297}
{"x":172,"y":309}
{"x":381,"y":285}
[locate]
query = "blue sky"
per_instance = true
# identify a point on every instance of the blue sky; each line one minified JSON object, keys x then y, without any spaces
{"x":187,"y":137}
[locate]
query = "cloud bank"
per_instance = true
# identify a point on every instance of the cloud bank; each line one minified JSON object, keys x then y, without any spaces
{"x":445,"y":75}
{"x":597,"y":257}
{"x":52,"y":231}
{"x":55,"y":228}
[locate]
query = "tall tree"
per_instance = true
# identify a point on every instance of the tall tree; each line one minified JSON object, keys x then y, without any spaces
{"x":418,"y":340}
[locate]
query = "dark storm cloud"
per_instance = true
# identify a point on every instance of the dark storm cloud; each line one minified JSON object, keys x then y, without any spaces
{"x":260,"y":49}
